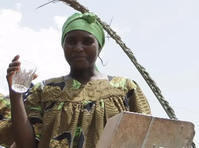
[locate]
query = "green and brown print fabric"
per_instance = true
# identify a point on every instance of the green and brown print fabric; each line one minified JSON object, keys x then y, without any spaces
{"x":67,"y":114}
{"x":4,"y":108}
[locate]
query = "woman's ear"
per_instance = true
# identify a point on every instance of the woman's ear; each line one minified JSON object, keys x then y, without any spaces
{"x":99,"y":49}
{"x":63,"y":45}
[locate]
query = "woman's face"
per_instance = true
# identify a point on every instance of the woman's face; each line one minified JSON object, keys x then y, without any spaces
{"x":80,"y":49}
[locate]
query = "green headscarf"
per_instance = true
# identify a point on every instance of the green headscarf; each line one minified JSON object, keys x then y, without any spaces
{"x":86,"y":22}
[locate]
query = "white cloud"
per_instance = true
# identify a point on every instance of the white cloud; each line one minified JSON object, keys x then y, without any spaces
{"x":59,"y":20}
{"x":42,"y":47}
{"x":10,"y":19}
{"x":18,"y":6}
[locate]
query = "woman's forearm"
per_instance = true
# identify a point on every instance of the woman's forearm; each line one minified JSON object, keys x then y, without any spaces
{"x":23,"y":132}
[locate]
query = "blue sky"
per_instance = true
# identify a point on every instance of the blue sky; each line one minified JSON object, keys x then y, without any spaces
{"x":163,"y":35}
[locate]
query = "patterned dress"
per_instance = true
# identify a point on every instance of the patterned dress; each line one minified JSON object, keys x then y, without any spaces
{"x":4,"y":108}
{"x":67,"y":114}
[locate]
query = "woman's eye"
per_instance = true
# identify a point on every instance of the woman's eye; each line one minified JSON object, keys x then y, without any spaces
{"x":70,"y":41}
{"x":88,"y":41}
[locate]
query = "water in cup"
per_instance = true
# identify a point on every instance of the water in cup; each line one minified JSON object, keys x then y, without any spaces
{"x":22,"y":79}
{"x":19,"y":88}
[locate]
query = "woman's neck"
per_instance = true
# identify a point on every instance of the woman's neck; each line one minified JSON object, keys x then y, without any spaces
{"x":83,"y":76}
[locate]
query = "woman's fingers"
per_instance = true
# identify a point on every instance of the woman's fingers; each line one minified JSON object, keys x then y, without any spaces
{"x":35,"y":76}
{"x":15,"y":58}
{"x":14,"y":64}
{"x":12,"y":68}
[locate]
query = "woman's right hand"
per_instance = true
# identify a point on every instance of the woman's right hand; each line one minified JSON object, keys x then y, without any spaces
{"x":23,"y":132}
{"x":13,"y":67}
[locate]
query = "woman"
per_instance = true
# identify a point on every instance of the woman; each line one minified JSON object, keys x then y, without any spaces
{"x":71,"y":111}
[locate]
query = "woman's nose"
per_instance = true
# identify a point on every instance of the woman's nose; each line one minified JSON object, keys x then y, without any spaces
{"x":79,"y":47}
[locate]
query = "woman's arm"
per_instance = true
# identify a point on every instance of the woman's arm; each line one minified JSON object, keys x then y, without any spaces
{"x":137,"y":100}
{"x":23,"y":132}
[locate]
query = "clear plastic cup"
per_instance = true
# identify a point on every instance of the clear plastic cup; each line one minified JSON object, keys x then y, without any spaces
{"x":22,"y":79}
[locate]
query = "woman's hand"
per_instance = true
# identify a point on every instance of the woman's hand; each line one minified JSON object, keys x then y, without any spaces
{"x":23,"y":132}
{"x":14,"y":66}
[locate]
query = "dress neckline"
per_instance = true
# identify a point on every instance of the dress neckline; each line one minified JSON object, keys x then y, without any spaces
{"x":67,"y":77}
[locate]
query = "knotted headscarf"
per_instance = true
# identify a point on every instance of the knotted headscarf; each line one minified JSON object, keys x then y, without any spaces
{"x":86,"y":22}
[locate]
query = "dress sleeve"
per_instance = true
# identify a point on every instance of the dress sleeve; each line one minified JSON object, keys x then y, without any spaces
{"x":137,"y":100}
{"x":34,"y":110}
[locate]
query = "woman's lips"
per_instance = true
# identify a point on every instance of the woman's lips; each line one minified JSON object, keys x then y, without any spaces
{"x":79,"y":57}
